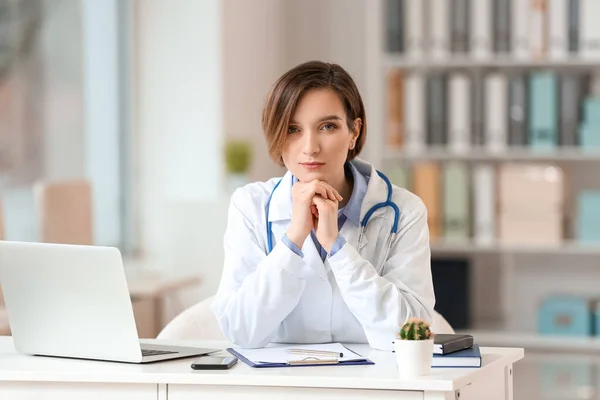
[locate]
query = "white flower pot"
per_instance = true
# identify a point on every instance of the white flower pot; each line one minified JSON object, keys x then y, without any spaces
{"x":413,"y":357}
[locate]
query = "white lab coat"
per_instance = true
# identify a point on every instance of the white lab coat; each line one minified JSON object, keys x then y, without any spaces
{"x":355,"y":296}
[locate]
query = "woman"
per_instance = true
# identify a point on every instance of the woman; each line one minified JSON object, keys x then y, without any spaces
{"x":314,"y":278}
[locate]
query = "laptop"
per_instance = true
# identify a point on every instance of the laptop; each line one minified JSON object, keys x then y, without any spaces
{"x":72,"y":301}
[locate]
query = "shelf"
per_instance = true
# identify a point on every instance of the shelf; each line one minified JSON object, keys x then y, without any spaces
{"x":562,"y":154}
{"x":534,"y":341}
{"x":458,"y":246}
{"x":495,"y":62}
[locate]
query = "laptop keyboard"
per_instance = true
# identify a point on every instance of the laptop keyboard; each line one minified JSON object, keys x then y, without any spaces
{"x":148,"y":352}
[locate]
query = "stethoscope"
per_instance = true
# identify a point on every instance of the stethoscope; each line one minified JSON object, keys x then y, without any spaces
{"x":363,"y":225}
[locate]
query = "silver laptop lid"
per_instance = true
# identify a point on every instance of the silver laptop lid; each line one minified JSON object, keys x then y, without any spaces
{"x":68,"y":301}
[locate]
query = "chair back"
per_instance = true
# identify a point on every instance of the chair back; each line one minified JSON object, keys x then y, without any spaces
{"x":65,"y":212}
{"x":198,"y":323}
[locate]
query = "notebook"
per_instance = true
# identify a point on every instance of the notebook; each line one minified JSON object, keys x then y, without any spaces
{"x":467,"y":358}
{"x":279,"y":355}
{"x":450,"y":343}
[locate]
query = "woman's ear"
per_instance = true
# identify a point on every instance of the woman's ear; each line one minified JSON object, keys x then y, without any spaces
{"x":357,"y":129}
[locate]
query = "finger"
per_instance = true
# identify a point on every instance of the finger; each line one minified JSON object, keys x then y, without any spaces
{"x":324,"y":204}
{"x":320,"y":190}
{"x":331,"y":193}
{"x":314,"y":210}
{"x":334,"y":194}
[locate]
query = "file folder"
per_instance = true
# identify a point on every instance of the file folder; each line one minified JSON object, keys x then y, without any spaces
{"x":277,"y":356}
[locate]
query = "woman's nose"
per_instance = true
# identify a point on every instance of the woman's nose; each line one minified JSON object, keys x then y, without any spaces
{"x":311,"y":143}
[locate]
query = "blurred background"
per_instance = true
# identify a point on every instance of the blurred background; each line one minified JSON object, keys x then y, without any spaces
{"x":129,"y":123}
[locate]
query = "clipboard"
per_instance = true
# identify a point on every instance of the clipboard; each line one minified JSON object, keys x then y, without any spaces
{"x":307,"y":361}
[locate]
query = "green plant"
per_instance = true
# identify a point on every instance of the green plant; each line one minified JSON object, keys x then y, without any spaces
{"x":238,"y":155}
{"x":415,"y":329}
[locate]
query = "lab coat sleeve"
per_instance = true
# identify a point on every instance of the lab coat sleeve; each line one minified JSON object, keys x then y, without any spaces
{"x":382,"y":303}
{"x":256,"y":291}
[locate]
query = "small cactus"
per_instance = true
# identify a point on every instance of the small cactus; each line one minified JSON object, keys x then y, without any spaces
{"x":415,"y":329}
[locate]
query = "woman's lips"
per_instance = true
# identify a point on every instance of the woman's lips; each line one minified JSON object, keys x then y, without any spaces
{"x":312,"y":165}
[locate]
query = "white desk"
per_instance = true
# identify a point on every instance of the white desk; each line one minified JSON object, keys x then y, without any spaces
{"x":26,"y":377}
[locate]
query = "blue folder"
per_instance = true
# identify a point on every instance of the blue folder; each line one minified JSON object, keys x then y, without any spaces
{"x":340,"y":361}
{"x":543,"y":124}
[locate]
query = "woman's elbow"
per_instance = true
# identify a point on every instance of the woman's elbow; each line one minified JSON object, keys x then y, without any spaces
{"x":240,"y":335}
{"x":245,"y":338}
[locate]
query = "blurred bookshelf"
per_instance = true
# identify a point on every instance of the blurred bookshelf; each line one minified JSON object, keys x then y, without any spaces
{"x":440,"y":247}
{"x":472,"y":100}
{"x":440,"y":153}
{"x":496,"y":337}
{"x":462,"y":62}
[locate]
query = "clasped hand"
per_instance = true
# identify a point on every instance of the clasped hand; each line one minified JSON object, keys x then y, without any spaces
{"x":314,"y":206}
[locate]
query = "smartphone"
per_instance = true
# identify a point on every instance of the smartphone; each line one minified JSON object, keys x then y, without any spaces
{"x":212,"y":362}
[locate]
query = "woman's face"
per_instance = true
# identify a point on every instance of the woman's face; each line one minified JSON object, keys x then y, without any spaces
{"x":318,"y":138}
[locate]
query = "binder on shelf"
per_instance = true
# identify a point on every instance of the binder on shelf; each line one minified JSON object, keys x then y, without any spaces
{"x":589,"y":29}
{"x":395,"y":115}
{"x":589,"y":130}
{"x":501,"y":26}
{"x":436,"y":113}
{"x":517,"y":110}
{"x":538,"y":22}
{"x":426,"y":183}
{"x":588,"y":218}
{"x":558,"y":20}
{"x":456,"y":201}
{"x":589,"y":137}
{"x":571,"y":90}
{"x":573,"y":25}
{"x":496,"y":113}
{"x":484,"y":203}
{"x":459,"y":26}
{"x":415,"y":115}
{"x":481,"y":29}
{"x":591,"y":111}
{"x":519,"y":12}
{"x":415,"y":29}
{"x":477,"y":109}
{"x":439,"y":29}
{"x":459,"y":112}
{"x":395,"y":25}
{"x":543,"y":110}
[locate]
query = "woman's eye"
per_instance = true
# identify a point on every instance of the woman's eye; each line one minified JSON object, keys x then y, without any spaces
{"x":292,"y":129}
{"x":329,"y":127}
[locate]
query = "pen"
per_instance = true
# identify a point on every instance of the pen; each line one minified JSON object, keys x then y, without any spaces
{"x":308,"y":352}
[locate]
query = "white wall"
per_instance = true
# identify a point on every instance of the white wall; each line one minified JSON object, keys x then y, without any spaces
{"x":179,"y":134}
{"x":253,"y":58}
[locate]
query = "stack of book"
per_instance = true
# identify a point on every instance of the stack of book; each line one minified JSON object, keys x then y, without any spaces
{"x":455,"y":350}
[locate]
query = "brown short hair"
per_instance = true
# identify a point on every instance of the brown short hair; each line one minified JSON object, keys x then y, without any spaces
{"x":283,"y":98}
